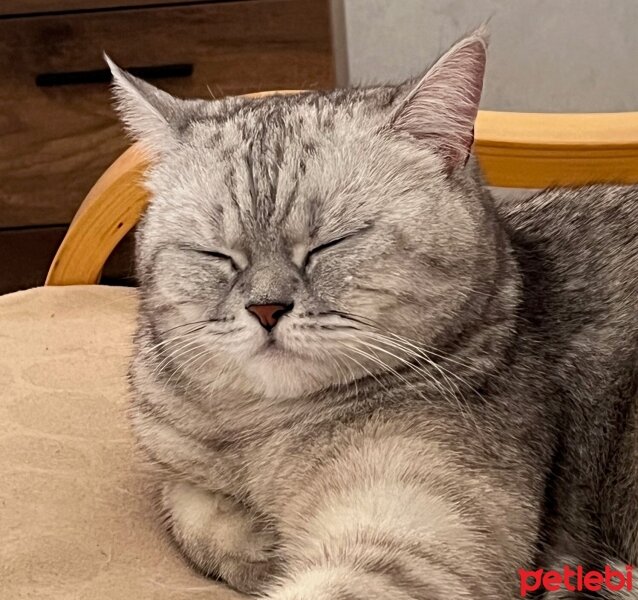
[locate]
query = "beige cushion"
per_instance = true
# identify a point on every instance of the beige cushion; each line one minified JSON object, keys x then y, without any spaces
{"x":75,"y":522}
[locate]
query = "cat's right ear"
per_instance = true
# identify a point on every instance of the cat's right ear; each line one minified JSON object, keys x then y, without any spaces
{"x":147,"y":112}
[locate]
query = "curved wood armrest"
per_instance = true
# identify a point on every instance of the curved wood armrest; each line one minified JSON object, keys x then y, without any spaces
{"x":526,"y":150}
{"x":538,"y":150}
{"x":110,"y":210}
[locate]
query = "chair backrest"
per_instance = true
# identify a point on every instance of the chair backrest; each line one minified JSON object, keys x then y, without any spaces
{"x":520,"y":150}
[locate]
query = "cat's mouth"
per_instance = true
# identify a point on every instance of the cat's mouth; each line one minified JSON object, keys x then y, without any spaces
{"x":271,"y":342}
{"x":273,"y":348}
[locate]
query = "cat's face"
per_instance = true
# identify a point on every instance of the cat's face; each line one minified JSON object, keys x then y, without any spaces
{"x":303,"y":241}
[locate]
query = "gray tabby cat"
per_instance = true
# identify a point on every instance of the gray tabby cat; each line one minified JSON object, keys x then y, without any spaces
{"x":363,"y":379}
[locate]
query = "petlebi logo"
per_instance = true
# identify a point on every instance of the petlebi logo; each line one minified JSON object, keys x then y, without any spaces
{"x":576,"y":580}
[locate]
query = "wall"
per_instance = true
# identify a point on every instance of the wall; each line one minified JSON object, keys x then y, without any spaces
{"x":545,"y":55}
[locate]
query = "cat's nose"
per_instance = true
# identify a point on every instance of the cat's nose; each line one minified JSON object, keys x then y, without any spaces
{"x":269,"y":314}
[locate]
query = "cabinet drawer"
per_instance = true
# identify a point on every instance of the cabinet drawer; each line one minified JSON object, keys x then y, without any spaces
{"x":58,"y":131}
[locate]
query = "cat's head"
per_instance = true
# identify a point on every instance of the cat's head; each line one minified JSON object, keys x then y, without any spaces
{"x":300,"y":241}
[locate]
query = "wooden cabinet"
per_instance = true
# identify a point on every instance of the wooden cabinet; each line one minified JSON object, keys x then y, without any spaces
{"x":58,"y":131}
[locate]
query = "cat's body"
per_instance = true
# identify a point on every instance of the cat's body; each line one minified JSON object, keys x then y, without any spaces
{"x":578,"y":251}
{"x":446,"y":392}
{"x":561,"y":417}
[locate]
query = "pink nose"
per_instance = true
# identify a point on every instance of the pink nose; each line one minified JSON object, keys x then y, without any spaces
{"x":269,"y":314}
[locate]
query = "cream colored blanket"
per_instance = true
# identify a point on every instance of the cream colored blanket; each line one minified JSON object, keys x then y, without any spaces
{"x":75,"y":522}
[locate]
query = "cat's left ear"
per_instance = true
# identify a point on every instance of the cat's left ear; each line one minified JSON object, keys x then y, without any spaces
{"x":148,"y":112}
{"x":441,"y":109}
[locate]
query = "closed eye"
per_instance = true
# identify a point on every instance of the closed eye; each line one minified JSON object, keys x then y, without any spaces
{"x":317,"y":249}
{"x":218,"y":255}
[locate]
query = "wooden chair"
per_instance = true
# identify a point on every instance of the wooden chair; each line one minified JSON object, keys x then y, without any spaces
{"x":73,"y":493}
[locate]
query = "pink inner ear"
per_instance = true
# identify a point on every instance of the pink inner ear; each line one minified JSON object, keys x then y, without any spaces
{"x":442,"y":108}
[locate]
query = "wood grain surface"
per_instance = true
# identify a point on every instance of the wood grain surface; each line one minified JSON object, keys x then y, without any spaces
{"x":29,"y":7}
{"x":57,"y":141}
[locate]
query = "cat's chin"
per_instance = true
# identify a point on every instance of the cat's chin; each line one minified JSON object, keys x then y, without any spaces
{"x":279,"y":373}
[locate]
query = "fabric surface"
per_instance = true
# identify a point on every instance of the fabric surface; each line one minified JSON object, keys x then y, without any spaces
{"x":75,"y":521}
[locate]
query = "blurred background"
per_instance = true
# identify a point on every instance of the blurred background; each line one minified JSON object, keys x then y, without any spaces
{"x":58,"y":132}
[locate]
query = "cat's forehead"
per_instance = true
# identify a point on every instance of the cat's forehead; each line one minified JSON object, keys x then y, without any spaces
{"x":268,"y":148}
{"x":280,"y":166}
{"x":283,"y":119}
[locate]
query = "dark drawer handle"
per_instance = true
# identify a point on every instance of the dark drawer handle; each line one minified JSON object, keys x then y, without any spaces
{"x":104,"y":75}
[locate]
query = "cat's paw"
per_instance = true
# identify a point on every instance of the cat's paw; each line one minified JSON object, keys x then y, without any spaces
{"x":220,"y":536}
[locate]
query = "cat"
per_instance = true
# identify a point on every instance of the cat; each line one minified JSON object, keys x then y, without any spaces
{"x":358,"y":374}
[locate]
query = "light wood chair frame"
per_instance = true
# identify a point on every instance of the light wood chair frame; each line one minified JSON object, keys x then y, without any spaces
{"x":520,"y":150}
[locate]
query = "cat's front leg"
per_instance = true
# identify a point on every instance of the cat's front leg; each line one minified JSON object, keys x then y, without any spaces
{"x":220,"y":536}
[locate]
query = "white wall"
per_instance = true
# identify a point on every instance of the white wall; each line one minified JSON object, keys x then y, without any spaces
{"x":545,"y":55}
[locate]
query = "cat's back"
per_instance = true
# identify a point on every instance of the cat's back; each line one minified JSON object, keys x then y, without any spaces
{"x":578,"y":254}
{"x":578,"y":251}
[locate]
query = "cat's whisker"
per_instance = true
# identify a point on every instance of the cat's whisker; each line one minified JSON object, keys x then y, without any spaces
{"x":170,"y":340}
{"x":446,"y":374}
{"x":325,"y":327}
{"x":203,"y":321}
{"x":174,"y":353}
{"x":352,"y":372}
{"x":457,"y":397}
{"x":424,"y":373}
{"x":431,"y":350}
{"x":182,"y":344}
{"x":349,"y":317}
{"x":184,"y":347}
{"x":220,"y":368}
{"x":367,"y":371}
{"x":342,"y":378}
{"x":385,"y":367}
{"x":341,"y":374}
{"x":180,"y":369}
{"x":417,"y":352}
{"x":410,"y":352}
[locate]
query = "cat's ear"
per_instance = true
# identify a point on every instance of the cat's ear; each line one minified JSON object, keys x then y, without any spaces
{"x":147,"y":112}
{"x":441,"y":109}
